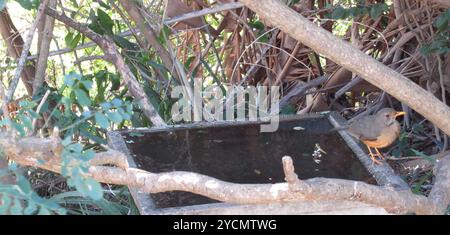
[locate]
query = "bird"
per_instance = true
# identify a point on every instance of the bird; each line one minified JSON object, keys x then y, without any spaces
{"x":376,"y":131}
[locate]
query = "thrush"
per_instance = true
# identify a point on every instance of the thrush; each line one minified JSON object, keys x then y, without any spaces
{"x":376,"y":131}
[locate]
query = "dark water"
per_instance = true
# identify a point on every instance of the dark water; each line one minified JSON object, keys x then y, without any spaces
{"x":241,"y":154}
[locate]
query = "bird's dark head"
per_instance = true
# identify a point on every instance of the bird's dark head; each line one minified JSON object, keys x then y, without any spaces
{"x":388,"y":115}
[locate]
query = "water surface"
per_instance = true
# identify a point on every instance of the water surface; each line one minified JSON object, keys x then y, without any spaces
{"x":241,"y":154}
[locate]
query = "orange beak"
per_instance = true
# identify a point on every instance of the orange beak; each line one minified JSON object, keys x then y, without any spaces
{"x":397,"y":114}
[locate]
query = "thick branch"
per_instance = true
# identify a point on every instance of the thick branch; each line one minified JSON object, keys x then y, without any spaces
{"x":440,"y":194}
{"x":44,"y":50}
{"x":45,"y":154}
{"x":353,"y":59}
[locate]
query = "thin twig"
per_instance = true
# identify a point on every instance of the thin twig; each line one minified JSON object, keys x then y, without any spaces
{"x":24,"y":55}
{"x":39,"y":108}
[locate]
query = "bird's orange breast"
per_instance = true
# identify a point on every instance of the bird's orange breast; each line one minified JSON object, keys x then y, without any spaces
{"x":377,"y":143}
{"x":386,"y":138}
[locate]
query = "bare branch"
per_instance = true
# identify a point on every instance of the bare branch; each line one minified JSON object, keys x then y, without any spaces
{"x":24,"y":55}
{"x":90,"y":58}
{"x":441,"y":3}
{"x":206,"y":11}
{"x":353,"y":59}
{"x":45,"y":154}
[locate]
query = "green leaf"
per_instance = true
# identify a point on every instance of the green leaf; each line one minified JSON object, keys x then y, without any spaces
{"x":29,"y":4}
{"x":88,"y":154}
{"x":422,"y":180}
{"x":89,"y":188}
{"x":2,"y":4}
{"x":16,"y":209}
{"x":355,"y":11}
{"x":124,"y":114}
{"x":338,"y":13}
{"x":115,"y":117}
{"x":31,"y":208}
{"x":101,"y":120}
{"x":26,"y":122}
{"x":117,"y":102}
{"x":95,"y":138}
{"x":74,"y":42}
{"x":105,"y":106}
{"x":74,"y":3}
{"x":377,"y":10}
{"x":82,"y":97}
{"x":124,"y":43}
{"x":115,"y":82}
{"x":71,"y":40}
{"x":441,"y":22}
{"x":6,"y":202}
{"x":44,"y":211}
{"x":94,"y":25}
{"x":19,"y":128}
{"x":87,"y":84}
{"x":257,"y":25}
{"x":289,"y":109}
{"x":374,"y":12}
{"x":424,"y":156}
{"x":66,"y":141}
{"x":108,"y":208}
{"x":105,"y":21}
{"x":68,"y":39}
{"x":69,"y":79}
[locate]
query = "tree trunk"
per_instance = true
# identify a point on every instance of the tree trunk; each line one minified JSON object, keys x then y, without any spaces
{"x":44,"y":48}
{"x":14,"y":43}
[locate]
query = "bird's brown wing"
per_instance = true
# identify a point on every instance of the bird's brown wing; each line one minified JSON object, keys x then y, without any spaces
{"x":364,"y":129}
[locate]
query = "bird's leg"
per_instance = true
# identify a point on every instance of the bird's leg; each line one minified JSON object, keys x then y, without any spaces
{"x":372,"y":156}
{"x":379,"y":154}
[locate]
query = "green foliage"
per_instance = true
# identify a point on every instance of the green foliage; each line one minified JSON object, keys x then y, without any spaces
{"x":75,"y":165}
{"x":101,"y":22}
{"x":79,"y":87}
{"x":288,"y":110}
{"x":2,"y":4}
{"x":403,"y":148}
{"x":23,"y":121}
{"x":96,"y":113}
{"x":441,"y":43}
{"x":101,"y":120}
{"x":72,"y":40}
{"x":260,"y":29}
{"x":86,"y":206}
{"x":441,"y":23}
{"x":422,"y":180}
{"x":374,"y":11}
{"x":29,"y":4}
{"x":20,"y":199}
{"x":93,"y":116}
